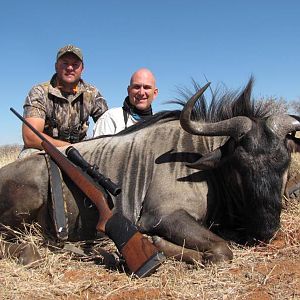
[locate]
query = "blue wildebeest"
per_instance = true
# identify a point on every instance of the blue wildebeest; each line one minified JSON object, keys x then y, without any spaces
{"x":193,"y":178}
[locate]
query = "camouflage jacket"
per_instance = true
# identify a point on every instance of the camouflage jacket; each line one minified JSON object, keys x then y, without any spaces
{"x":66,"y":115}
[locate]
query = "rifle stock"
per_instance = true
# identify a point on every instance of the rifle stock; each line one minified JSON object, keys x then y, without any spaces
{"x":141,"y":256}
{"x":83,"y":182}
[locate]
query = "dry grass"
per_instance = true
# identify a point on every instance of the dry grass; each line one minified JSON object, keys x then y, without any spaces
{"x":263,"y":272}
{"x":8,"y":154}
{"x":295,"y":166}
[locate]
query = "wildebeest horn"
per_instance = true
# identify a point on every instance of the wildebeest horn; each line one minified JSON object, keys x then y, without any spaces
{"x":282,"y":125}
{"x":234,"y":127}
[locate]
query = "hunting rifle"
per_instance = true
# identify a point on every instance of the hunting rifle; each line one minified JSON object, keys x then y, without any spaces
{"x":141,"y":256}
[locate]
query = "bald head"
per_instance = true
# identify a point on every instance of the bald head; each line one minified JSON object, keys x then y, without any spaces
{"x":143,"y":73}
{"x":142,"y":89}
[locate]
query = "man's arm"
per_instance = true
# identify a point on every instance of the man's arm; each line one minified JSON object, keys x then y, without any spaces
{"x":33,"y":141}
{"x":35,"y":114}
{"x":105,"y":125}
{"x":99,"y":106}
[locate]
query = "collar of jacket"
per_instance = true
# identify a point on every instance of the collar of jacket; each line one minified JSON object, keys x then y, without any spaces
{"x":136,"y":113}
{"x":54,"y":90}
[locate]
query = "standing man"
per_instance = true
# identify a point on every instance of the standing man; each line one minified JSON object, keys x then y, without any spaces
{"x":142,"y":91}
{"x":60,"y":108}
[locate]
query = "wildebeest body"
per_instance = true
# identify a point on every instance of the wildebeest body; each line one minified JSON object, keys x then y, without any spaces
{"x":176,"y":185}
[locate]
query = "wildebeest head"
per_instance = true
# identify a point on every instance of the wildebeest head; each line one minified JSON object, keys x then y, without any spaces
{"x":253,"y":163}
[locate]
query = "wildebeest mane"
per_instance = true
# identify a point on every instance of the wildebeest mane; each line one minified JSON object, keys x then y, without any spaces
{"x":224,"y":104}
{"x":163,"y":116}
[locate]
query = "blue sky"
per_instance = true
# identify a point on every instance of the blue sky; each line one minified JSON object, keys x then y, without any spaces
{"x":226,"y":41}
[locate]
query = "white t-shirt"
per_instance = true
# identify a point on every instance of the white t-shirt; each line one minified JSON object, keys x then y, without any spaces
{"x":112,"y":122}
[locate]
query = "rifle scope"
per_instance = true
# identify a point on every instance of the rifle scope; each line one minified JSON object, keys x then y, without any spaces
{"x":75,"y":157}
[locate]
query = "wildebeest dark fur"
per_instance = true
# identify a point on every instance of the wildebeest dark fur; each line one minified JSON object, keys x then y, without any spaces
{"x":187,"y":178}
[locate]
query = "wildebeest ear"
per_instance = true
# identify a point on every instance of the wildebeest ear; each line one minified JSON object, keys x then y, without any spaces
{"x":209,"y":161}
{"x":293,"y":143}
{"x":215,"y":158}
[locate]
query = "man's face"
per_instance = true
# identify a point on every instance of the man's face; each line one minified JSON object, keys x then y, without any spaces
{"x":142,"y":90}
{"x":69,"y":68}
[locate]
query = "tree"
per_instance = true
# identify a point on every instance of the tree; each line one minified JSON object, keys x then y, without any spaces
{"x":295,"y":105}
{"x":273,"y":104}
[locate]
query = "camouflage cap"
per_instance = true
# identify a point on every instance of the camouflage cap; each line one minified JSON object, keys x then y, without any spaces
{"x":69,"y":49}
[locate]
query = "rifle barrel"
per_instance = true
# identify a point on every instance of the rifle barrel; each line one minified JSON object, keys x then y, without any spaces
{"x":29,"y":125}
